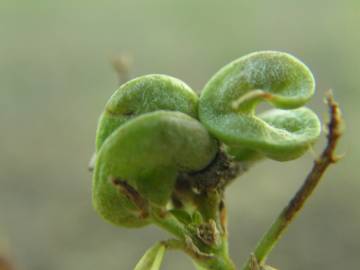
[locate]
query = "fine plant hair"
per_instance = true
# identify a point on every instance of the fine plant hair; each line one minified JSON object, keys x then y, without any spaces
{"x":165,"y":155}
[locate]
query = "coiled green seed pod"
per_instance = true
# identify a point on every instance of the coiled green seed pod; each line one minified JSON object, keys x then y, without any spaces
{"x":147,"y":153}
{"x":141,"y":145}
{"x":228,"y":102}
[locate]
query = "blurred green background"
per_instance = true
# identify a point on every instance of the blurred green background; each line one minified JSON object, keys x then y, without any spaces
{"x":55,"y":77}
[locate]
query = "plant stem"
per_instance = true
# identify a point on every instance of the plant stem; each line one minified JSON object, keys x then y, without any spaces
{"x":218,"y":259}
{"x":327,"y":158}
{"x":168,"y":222}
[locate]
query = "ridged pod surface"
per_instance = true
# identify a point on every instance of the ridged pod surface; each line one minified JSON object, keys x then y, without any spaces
{"x":227,"y":107}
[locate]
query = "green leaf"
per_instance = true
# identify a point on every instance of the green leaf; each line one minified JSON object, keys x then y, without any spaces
{"x":152,"y":258}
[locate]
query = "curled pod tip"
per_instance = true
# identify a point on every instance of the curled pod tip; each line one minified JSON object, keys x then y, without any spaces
{"x":145,"y":94}
{"x":227,"y":106}
{"x":147,"y":153}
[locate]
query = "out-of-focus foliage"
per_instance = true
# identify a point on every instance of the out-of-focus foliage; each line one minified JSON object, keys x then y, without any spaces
{"x":55,"y":76}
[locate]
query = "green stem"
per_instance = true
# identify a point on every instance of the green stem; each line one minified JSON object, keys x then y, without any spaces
{"x":208,"y":205}
{"x":217,"y":260}
{"x":168,"y":222}
{"x":277,"y":229}
{"x":273,"y":235}
{"x":216,"y":263}
{"x":201,"y":261}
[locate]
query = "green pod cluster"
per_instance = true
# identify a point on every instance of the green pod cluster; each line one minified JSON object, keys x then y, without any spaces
{"x":227,"y":107}
{"x":146,"y":135}
{"x":149,"y":131}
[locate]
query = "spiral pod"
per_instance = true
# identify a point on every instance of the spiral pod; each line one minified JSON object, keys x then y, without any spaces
{"x":227,"y":107}
{"x":146,"y":135}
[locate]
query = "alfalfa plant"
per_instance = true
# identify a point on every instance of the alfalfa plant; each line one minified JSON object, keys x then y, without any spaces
{"x":165,"y":155}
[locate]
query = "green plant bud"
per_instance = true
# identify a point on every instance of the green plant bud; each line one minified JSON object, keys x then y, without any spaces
{"x":142,"y":95}
{"x":147,"y":153}
{"x":228,"y":102}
